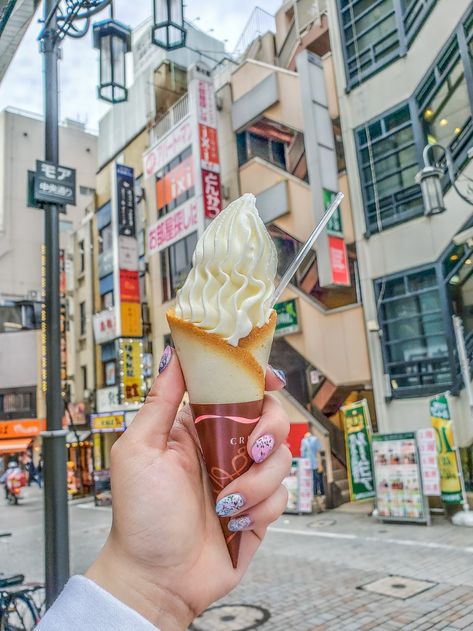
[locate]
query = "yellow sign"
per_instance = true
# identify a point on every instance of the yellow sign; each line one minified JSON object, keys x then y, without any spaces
{"x":450,"y":485}
{"x":131,"y":319}
{"x":131,"y":378}
{"x":109,"y":422}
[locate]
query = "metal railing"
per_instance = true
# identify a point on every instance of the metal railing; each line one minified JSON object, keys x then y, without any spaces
{"x":173,"y":116}
{"x":259,"y":23}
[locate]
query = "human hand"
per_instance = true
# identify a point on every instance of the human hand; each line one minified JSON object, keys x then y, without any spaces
{"x":166,"y":556}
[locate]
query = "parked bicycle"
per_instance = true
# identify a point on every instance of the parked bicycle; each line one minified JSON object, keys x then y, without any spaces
{"x":20,"y":607}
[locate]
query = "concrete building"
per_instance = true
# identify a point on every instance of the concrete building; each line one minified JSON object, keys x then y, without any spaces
{"x":278,"y":137}
{"x":405,"y":79}
{"x":22,"y":405}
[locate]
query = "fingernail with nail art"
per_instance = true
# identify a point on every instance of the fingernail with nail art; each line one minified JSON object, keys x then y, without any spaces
{"x":239,"y":523}
{"x":229,"y":504}
{"x":280,"y":374}
{"x":165,"y":359}
{"x":262,"y":447}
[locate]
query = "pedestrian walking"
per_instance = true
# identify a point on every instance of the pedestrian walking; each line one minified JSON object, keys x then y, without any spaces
{"x":311,"y":449}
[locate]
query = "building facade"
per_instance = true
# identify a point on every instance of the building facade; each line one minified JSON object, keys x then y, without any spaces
{"x":404,"y":80}
{"x":22,"y":378}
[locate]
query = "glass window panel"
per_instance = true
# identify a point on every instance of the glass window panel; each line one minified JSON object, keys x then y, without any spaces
{"x":422,"y":280}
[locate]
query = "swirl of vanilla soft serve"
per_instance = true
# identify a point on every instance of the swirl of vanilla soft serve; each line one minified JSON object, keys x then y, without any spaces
{"x":230,"y":286}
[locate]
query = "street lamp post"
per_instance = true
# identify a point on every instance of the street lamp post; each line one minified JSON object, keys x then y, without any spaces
{"x":72,"y":18}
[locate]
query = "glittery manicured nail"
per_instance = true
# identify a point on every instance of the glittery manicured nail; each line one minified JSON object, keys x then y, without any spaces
{"x":280,"y":374}
{"x":165,"y":359}
{"x":239,"y":523}
{"x":229,"y":504}
{"x":262,"y":447}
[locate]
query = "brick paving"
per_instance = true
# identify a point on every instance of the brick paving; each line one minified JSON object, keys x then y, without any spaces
{"x":308,"y":575}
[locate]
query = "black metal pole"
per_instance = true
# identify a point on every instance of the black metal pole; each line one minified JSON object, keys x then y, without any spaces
{"x":56,"y":518}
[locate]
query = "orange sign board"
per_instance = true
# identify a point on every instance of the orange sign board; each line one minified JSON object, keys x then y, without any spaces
{"x":175,"y":183}
{"x":131,"y":319}
{"x":25,"y":428}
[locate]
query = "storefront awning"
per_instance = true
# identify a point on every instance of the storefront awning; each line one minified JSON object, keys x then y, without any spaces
{"x":77,"y":437}
{"x":14,"y":445}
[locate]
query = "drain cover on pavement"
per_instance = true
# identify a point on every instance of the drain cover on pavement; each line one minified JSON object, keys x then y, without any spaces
{"x":231,"y":618}
{"x":398,"y":587}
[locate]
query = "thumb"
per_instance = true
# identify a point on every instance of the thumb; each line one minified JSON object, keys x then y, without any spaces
{"x":152,"y":424}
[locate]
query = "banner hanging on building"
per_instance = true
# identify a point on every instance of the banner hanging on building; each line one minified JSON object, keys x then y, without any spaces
{"x":131,"y":372}
{"x":399,"y":493}
{"x":450,"y":484}
{"x":125,"y":200}
{"x":427,"y":446}
{"x":173,"y":227}
{"x":357,"y":428}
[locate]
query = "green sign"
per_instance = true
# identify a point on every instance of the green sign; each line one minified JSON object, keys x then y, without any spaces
{"x":450,"y":482}
{"x":288,"y":321}
{"x":357,"y":427}
{"x":334,"y":226}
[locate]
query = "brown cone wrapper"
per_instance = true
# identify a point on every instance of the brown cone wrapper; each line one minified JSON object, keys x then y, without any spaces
{"x":223,"y":430}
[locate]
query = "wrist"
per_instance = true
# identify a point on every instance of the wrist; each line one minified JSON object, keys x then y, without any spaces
{"x":159,"y":605}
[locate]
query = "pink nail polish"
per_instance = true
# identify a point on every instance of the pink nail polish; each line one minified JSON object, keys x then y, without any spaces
{"x":262,"y":447}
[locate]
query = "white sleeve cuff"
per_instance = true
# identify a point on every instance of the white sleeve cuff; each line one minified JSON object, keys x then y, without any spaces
{"x":84,"y":606}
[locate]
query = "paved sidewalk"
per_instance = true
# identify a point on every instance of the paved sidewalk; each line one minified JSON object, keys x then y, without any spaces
{"x":309,"y":574}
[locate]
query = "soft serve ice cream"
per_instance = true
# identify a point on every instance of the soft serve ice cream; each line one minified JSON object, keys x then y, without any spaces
{"x":222,"y":326}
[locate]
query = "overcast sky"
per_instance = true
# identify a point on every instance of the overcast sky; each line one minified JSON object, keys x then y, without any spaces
{"x":22,"y":84}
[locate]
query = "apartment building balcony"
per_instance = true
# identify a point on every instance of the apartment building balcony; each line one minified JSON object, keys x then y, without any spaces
{"x":301,"y":24}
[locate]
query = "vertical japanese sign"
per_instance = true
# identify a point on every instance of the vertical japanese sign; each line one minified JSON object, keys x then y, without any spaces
{"x":427,"y":445}
{"x":399,"y":493}
{"x":450,"y":483}
{"x":357,"y":427}
{"x":131,"y":382}
{"x":125,"y":200}
{"x":209,"y":164}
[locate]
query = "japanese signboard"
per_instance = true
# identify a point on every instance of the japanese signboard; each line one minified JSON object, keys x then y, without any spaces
{"x":357,"y":427}
{"x":299,"y":485}
{"x":25,"y":428}
{"x":399,"y":494}
{"x":128,"y":253}
{"x":129,"y":286}
{"x":107,"y":422}
{"x":168,"y":147}
{"x":105,"y":326}
{"x":125,"y":200}
{"x":334,"y":226}
{"x":206,"y":108}
{"x":173,"y":227}
{"x":174,"y":183}
{"x":131,"y":319}
{"x":212,"y":193}
{"x":208,"y":148}
{"x":107,"y":399}
{"x":427,"y":446}
{"x":131,"y":378}
{"x":287,"y":318}
{"x":54,"y":184}
{"x":338,"y":261}
{"x":450,"y":483}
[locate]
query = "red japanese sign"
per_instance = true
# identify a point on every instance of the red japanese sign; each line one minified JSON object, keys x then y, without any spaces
{"x":208,"y":148}
{"x":173,"y":227}
{"x":211,"y":192}
{"x":338,"y":261}
{"x":129,"y":286}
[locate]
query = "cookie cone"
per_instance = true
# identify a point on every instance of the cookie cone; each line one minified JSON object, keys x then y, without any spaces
{"x":225,"y":384}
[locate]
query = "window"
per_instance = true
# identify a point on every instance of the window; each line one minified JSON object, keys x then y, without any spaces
{"x":83,"y":370}
{"x":82,"y":318}
{"x":457,"y":268}
{"x":414,"y":339}
{"x":86,"y":190}
{"x":176,"y":262}
{"x":375,"y":32}
{"x":307,"y":276}
{"x":387,"y":159}
{"x":17,"y":404}
{"x":443,"y":103}
{"x":81,"y":256}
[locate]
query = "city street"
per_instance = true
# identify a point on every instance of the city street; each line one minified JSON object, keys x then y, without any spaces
{"x":311,"y":574}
